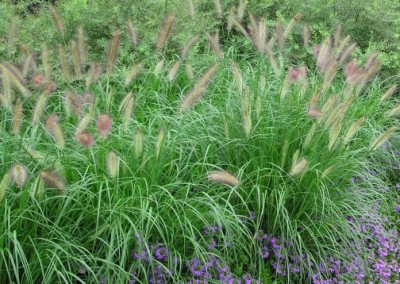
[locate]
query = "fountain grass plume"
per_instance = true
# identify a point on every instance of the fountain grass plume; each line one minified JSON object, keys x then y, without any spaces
{"x":76,"y":60}
{"x":237,"y":74}
{"x":214,"y":43}
{"x":132,"y":32}
{"x":173,"y":72}
{"x":138,"y":143}
{"x":298,"y":167}
{"x":46,"y":63}
{"x":112,"y":162}
{"x":15,"y":78}
{"x":94,"y":73}
{"x":246,"y":111}
{"x":39,"y":108}
{"x":126,"y":109}
{"x":159,"y":67}
{"x":4,"y":184}
{"x":113,"y":50}
{"x":6,"y":84}
{"x":17,"y":117}
{"x":104,"y":125}
{"x":53,"y":180}
{"x":188,"y":46}
{"x":394,"y":111}
{"x":165,"y":31}
{"x":57,"y":20}
{"x":191,"y":9}
{"x":19,"y":175}
{"x":241,"y":10}
{"x":54,"y":129}
{"x":218,"y":8}
{"x":389,"y":93}
{"x":11,"y":38}
{"x":159,"y":142}
{"x":189,"y":71}
{"x":306,"y":35}
{"x":85,"y":139}
{"x":72,"y":103}
{"x":198,"y":90}
{"x":352,"y":130}
{"x":377,"y":142}
{"x":81,"y":45}
{"x":223,"y":177}
{"x":83,"y":123}
{"x":62,"y":59}
{"x":133,"y":73}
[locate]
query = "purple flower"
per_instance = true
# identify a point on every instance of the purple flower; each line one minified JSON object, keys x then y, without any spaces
{"x":162,"y":253}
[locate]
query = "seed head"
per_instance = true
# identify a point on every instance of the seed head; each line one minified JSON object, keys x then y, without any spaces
{"x":112,"y":164}
{"x":104,"y":124}
{"x":19,"y":175}
{"x":224,"y":178}
{"x":53,"y":180}
{"x":85,"y":139}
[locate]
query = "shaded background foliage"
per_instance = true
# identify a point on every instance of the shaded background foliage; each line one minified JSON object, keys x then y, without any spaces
{"x":373,"y":24}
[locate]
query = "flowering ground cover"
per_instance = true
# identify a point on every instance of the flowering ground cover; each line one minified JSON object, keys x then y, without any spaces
{"x":214,"y":159}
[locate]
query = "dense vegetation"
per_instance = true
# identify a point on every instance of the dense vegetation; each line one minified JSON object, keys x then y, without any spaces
{"x":203,"y":142}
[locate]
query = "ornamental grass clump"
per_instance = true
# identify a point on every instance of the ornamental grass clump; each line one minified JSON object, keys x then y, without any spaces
{"x":243,"y":175}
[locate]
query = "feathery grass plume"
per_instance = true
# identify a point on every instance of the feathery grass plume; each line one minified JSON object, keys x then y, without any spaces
{"x":389,"y":93}
{"x":231,"y":16}
{"x":57,"y":20}
{"x":165,"y":31}
{"x":298,"y":167}
{"x":284,"y":152}
{"x":19,"y":175}
{"x":132,"y":74}
{"x":112,"y":164}
{"x":347,"y":53}
{"x":132,"y":32}
{"x":113,"y":50}
{"x":262,"y":35}
{"x":83,"y":123}
{"x":338,"y":35}
{"x":94,"y":73}
{"x":214,"y":43}
{"x":38,"y":80}
{"x":291,"y":24}
{"x":238,"y":76}
{"x":5,"y":183}
{"x":253,"y":27}
{"x":353,"y":73}
{"x":262,"y":84}
{"x":353,"y":130}
{"x":278,"y":36}
{"x":104,"y":125}
{"x":11,"y":38}
{"x":126,"y":108}
{"x":76,"y":60}
{"x":81,"y":46}
{"x":246,"y":112}
{"x":29,"y":53}
{"x":394,"y":111}
{"x":159,"y":67}
{"x":334,"y":131}
{"x":173,"y":72}
{"x":285,"y":86}
{"x":72,"y":103}
{"x":138,"y":143}
{"x":53,"y":180}
{"x":329,"y":76}
{"x":40,"y":106}
{"x":27,"y":65}
{"x":314,"y":112}
{"x":159,"y":142}
{"x":323,"y":52}
{"x":37,"y":189}
{"x":381,"y":139}
{"x":189,"y":71}
{"x":226,"y":128}
{"x":54,"y":129}
{"x":327,"y":171}
{"x":310,"y":135}
{"x":46,"y":63}
{"x":235,"y":23}
{"x":198,"y":90}
{"x":15,"y":78}
{"x":188,"y":46}
{"x":258,"y":107}
{"x":342,"y":46}
{"x":85,"y":139}
{"x":372,"y":67}
{"x":306,"y":35}
{"x":218,"y":8}
{"x":17,"y":117}
{"x":6,"y":84}
{"x":36,"y":155}
{"x":223,"y":177}
{"x":241,"y":9}
{"x":191,"y":9}
{"x":62,"y":59}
